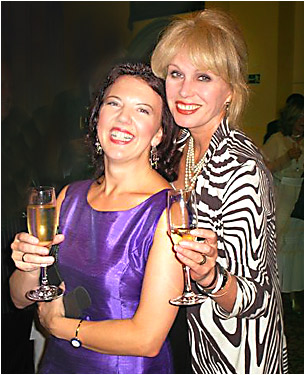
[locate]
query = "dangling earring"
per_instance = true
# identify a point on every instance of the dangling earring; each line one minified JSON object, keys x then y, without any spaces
{"x":98,"y":146}
{"x":154,"y":158}
{"x":227,"y":107}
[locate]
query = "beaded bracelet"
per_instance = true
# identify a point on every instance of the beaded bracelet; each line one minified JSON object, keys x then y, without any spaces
{"x":226,"y":284}
{"x":224,"y":279}
{"x":212,"y":282}
{"x":218,"y":285}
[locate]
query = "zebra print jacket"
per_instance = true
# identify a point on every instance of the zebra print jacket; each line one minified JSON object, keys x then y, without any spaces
{"x":235,"y":196}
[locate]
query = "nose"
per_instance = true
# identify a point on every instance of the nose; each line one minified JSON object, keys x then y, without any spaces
{"x":124,"y":115}
{"x":186,"y":88}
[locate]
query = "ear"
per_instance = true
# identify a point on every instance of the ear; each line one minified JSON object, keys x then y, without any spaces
{"x":157,"y":138}
{"x":229,"y":98}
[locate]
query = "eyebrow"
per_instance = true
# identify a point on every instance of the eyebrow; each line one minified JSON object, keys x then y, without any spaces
{"x":198,"y":71}
{"x":148,"y":105}
{"x":173,"y":65}
{"x":117,"y":97}
{"x":112,"y":96}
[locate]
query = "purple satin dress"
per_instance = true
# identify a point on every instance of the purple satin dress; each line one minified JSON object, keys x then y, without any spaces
{"x":106,"y":252}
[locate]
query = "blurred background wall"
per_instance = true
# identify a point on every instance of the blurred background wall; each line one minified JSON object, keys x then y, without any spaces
{"x":52,"y":46}
{"x":274,"y":32}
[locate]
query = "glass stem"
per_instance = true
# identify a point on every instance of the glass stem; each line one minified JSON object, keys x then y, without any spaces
{"x":44,"y":276}
{"x":187,"y":279}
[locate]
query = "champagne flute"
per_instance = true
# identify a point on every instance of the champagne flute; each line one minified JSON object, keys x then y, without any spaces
{"x":182,"y":218}
{"x":42,"y":223}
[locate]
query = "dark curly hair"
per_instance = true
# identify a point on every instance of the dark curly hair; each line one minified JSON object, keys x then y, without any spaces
{"x":165,"y":149}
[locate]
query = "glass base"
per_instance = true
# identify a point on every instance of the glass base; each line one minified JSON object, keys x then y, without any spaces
{"x":44,"y":293}
{"x":188,"y":299}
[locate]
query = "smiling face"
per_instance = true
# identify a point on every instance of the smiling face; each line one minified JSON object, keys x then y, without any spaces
{"x":129,"y":120}
{"x":196,"y":98}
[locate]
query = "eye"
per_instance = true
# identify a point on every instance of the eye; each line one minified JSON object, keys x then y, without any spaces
{"x":144,"y":110}
{"x":204,"y":78}
{"x":112,"y":103}
{"x":175,"y":74}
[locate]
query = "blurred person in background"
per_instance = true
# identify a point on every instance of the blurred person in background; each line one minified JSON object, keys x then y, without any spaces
{"x":284,"y":155}
{"x":273,"y":126}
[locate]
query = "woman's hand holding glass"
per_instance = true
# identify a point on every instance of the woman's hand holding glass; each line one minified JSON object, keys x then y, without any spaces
{"x":42,"y":223}
{"x":182,"y":218}
{"x":28,"y":255}
{"x":191,"y":253}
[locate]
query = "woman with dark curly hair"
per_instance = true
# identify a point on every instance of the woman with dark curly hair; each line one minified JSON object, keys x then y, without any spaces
{"x":114,"y":240}
{"x":164,"y":150}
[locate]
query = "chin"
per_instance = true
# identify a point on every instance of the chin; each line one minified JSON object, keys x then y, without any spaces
{"x":185,"y":123}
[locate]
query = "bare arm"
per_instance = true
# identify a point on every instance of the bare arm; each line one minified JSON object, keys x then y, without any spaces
{"x":26,"y":276}
{"x":145,"y":332}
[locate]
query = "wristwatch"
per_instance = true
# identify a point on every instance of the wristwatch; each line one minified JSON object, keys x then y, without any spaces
{"x":75,"y":342}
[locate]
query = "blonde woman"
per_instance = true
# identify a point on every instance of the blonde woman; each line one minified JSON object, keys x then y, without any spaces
{"x":239,"y":329}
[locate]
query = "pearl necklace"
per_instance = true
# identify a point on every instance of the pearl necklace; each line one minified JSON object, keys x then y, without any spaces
{"x":192,"y":170}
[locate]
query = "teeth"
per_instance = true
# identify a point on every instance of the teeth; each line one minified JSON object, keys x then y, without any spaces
{"x":187,"y":107}
{"x":120,"y":136}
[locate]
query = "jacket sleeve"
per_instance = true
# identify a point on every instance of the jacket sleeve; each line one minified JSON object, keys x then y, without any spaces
{"x":247,"y":240}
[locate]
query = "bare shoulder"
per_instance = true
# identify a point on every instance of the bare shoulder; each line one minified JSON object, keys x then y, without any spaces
{"x":151,"y":187}
{"x":159,"y":183}
{"x":153,"y":184}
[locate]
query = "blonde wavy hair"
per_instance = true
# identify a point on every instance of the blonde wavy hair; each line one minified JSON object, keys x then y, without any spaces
{"x":213,"y":42}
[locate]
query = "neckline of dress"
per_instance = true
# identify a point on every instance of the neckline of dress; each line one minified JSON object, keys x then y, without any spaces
{"x":128,"y":209}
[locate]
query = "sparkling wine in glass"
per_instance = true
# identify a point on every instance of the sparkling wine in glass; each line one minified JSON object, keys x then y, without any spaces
{"x":182,"y":218}
{"x":42,"y":223}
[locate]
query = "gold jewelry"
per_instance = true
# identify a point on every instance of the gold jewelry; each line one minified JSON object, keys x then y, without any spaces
{"x":192,"y":170}
{"x":204,"y":260}
{"x":227,"y":107}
